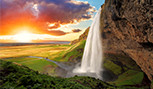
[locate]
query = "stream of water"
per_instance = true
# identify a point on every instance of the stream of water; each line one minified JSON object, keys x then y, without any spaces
{"x":62,"y":65}
{"x":92,"y":56}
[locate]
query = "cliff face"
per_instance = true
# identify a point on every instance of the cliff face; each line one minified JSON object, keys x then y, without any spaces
{"x":127,"y":28}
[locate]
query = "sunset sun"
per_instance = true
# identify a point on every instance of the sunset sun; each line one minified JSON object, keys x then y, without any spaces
{"x":23,"y":36}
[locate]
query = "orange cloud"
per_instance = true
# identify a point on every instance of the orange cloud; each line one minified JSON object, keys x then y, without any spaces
{"x":56,"y":32}
{"x":38,"y":13}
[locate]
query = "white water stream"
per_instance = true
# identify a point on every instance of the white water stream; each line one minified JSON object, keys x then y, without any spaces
{"x":92,"y":56}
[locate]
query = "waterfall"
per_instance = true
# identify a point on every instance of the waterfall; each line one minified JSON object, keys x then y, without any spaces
{"x":92,"y":56}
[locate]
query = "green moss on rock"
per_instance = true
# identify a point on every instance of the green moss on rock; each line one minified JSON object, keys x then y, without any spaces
{"x":152,"y":84}
{"x":112,"y":67}
{"x":130,"y":77}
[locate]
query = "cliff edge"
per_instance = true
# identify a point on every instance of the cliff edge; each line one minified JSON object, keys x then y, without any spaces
{"x":127,"y":28}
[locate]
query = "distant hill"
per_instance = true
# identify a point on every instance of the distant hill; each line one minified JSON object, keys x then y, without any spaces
{"x":82,"y":37}
{"x":41,"y":43}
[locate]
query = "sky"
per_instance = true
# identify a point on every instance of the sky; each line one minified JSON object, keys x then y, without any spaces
{"x":42,"y":20}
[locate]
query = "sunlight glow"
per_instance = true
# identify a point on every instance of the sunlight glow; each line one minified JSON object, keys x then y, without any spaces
{"x":27,"y":37}
{"x":26,"y":34}
{"x":23,"y":36}
{"x":51,"y":25}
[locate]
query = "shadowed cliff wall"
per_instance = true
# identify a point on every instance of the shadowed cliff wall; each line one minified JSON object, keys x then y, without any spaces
{"x":127,"y":28}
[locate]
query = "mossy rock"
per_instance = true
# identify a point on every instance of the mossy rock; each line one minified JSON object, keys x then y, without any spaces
{"x":109,"y":65}
{"x":127,"y":71}
{"x":130,"y":77}
{"x":122,"y":60}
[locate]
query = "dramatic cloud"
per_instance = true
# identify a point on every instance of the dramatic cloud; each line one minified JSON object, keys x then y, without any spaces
{"x":76,"y":30}
{"x":64,"y":11}
{"x":45,"y":14}
{"x":57,"y":32}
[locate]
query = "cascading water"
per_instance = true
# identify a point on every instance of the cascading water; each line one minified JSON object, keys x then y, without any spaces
{"x":92,"y":56}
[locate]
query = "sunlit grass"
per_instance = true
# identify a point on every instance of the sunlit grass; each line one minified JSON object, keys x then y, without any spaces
{"x":41,"y":65}
{"x":72,"y":52}
{"x":38,"y":65}
{"x":20,"y":59}
{"x":19,"y":55}
{"x":32,"y":50}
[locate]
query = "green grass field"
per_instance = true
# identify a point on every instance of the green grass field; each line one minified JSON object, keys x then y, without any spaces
{"x":18,"y":55}
{"x":60,"y":53}
{"x":31,"y":50}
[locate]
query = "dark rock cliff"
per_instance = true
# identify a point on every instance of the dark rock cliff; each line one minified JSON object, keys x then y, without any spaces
{"x":127,"y":28}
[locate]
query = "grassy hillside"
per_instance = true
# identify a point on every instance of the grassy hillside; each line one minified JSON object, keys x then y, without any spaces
{"x":21,"y":77}
{"x":73,"y":53}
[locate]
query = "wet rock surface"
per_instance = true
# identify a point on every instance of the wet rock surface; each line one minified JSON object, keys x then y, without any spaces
{"x":108,"y":75}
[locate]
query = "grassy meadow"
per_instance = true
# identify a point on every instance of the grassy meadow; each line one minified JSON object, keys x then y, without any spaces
{"x":56,"y":52}
{"x":19,"y":55}
{"x":31,"y":50}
